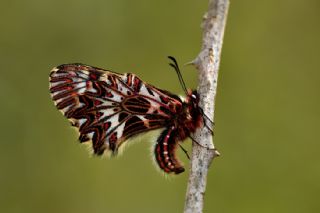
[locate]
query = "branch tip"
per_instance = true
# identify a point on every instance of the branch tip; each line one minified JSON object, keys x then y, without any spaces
{"x":190,"y":63}
{"x":216,"y":153}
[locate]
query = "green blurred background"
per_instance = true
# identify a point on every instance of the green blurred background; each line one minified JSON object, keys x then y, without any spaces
{"x":267,"y":112}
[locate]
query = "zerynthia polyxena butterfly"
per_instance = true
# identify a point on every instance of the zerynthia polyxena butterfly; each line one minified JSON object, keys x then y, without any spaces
{"x":108,"y":108}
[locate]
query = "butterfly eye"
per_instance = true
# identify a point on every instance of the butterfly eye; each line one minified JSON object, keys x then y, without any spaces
{"x":194,"y":96}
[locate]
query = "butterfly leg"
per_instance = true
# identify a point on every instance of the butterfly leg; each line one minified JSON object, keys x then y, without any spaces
{"x":185,"y":151}
{"x":212,"y":124}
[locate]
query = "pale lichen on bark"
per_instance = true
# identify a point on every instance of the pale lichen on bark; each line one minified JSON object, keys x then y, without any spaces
{"x":207,"y":64}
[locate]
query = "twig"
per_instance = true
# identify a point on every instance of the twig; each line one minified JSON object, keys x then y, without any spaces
{"x":207,"y":63}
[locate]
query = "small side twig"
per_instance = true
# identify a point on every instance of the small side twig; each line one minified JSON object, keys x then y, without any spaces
{"x":207,"y":63}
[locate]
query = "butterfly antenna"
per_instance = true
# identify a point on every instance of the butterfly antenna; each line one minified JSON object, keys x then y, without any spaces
{"x":177,"y":69}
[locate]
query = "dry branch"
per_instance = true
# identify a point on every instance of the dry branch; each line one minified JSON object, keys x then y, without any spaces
{"x":207,"y":64}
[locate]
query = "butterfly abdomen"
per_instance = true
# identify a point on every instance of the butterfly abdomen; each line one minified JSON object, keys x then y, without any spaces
{"x":165,"y":151}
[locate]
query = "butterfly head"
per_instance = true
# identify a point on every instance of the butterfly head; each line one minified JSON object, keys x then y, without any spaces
{"x":192,"y":110}
{"x":192,"y":99}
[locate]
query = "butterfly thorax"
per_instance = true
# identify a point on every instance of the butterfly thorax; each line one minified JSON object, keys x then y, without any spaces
{"x":190,"y":118}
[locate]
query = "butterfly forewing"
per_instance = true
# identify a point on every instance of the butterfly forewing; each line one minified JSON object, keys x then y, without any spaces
{"x":108,"y":107}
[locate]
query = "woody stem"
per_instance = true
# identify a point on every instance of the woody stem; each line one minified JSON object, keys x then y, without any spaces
{"x":207,"y":64}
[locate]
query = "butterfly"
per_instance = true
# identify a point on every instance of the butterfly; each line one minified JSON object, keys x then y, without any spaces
{"x":108,"y":108}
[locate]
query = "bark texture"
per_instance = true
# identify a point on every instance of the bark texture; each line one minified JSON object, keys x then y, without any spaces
{"x":207,"y":64}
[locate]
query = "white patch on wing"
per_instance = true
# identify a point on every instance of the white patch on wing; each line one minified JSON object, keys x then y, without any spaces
{"x":91,"y":89}
{"x":141,"y":117}
{"x":55,"y":93}
{"x":82,"y":75}
{"x":64,"y":110}
{"x":123,"y":89}
{"x":80,"y":85}
{"x":53,"y":84}
{"x":60,"y":100}
{"x":119,"y":130}
{"x":106,"y":113}
{"x":183,"y":99}
{"x":81,"y":90}
{"x":154,"y":107}
{"x":59,"y":74}
{"x":156,"y":96}
{"x":80,"y":105}
{"x":124,"y":77}
{"x":90,"y":135}
{"x":104,"y":78}
{"x":114,"y":122}
{"x":82,"y":121}
{"x":76,"y":79}
{"x":116,"y":97}
{"x":85,"y":72}
{"x":144,"y":91}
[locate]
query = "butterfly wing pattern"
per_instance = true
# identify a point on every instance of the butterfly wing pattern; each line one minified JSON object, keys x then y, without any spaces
{"x":108,"y":108}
